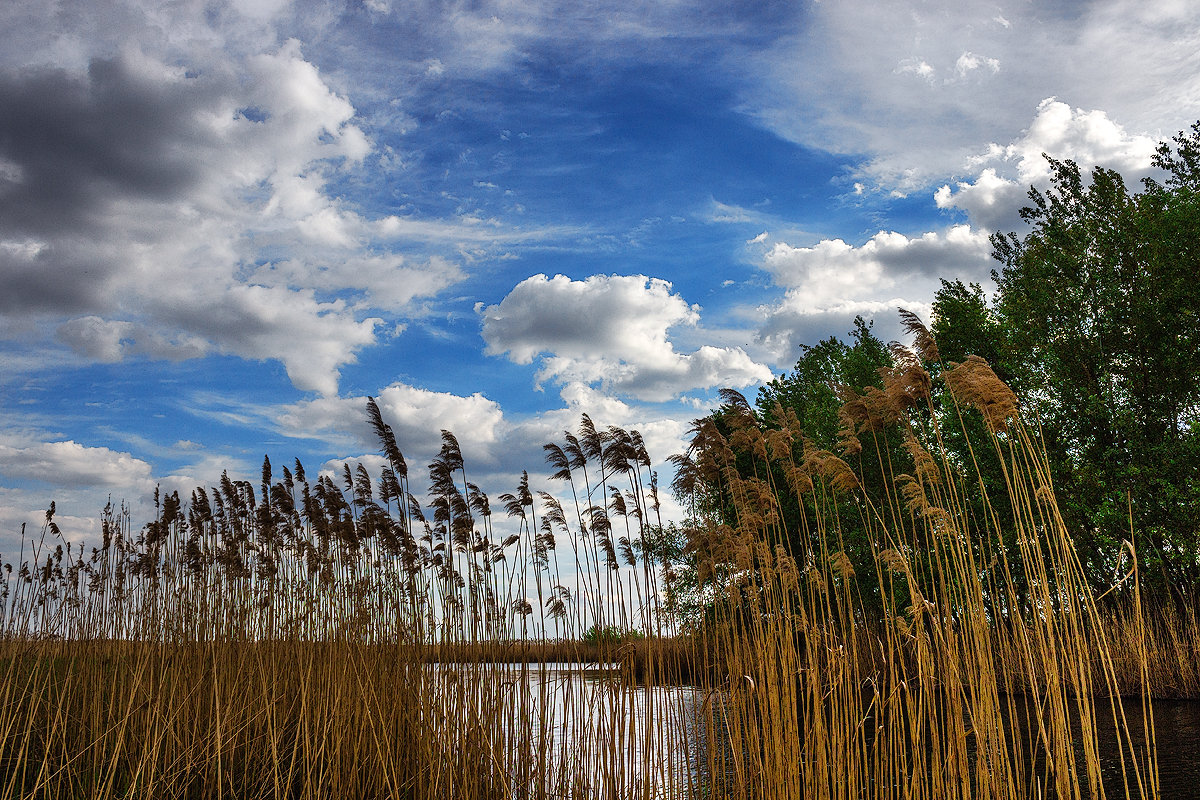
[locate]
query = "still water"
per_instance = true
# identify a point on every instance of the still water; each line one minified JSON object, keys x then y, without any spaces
{"x":1177,"y":731}
{"x":608,"y":739}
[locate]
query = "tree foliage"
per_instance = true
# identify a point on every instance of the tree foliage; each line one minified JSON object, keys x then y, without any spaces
{"x":1095,"y":323}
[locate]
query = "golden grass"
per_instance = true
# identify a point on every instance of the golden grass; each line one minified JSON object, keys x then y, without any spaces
{"x":311,"y":641}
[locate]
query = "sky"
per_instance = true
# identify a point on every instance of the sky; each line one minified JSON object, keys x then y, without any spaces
{"x":224,"y":225}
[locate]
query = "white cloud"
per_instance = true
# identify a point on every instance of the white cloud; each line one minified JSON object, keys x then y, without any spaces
{"x":969,"y":62}
{"x":313,"y":339}
{"x":828,"y":284}
{"x":1088,"y":137}
{"x":416,"y":415}
{"x":832,"y":272}
{"x":584,"y":399}
{"x":70,"y":464}
{"x":786,"y":326}
{"x":610,"y":330}
{"x":496,"y":447}
{"x":918,"y":67}
{"x":918,"y":89}
{"x":19,"y":510}
{"x":148,"y":235}
{"x":624,"y":316}
{"x":388,"y":281}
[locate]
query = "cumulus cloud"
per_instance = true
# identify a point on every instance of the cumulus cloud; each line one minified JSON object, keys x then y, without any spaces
{"x":786,"y":327}
{"x":920,"y":87}
{"x":416,"y":415}
{"x":110,"y":341}
{"x":828,"y":284}
{"x":164,"y":212}
{"x":1090,"y":138}
{"x":832,"y":272}
{"x":69,"y":464}
{"x":496,"y":446}
{"x":22,"y":509}
{"x":611,"y":330}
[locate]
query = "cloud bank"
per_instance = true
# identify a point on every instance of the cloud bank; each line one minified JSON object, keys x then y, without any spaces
{"x":914,"y":86}
{"x":165,"y":213}
{"x":610,"y":330}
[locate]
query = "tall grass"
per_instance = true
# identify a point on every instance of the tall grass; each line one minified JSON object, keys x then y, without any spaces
{"x":345,"y":639}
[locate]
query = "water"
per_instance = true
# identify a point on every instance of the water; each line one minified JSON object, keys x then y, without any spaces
{"x":585,"y":720}
{"x":1177,"y":740}
{"x":590,"y":730}
{"x":1177,"y":731}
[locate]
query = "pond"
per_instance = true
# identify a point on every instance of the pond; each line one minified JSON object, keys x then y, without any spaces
{"x":592,"y":732}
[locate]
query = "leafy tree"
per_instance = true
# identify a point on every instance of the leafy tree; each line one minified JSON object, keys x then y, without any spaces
{"x":1095,"y":324}
{"x":964,"y":324}
{"x":811,"y":389}
{"x":824,"y":376}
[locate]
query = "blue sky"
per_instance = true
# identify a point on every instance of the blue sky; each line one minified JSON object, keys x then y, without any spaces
{"x":223,"y":225}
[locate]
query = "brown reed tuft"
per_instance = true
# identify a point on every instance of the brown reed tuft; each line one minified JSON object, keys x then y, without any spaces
{"x":795,"y":637}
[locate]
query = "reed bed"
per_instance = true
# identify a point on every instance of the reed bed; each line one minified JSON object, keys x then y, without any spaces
{"x":1164,"y":642}
{"x":342,"y":638}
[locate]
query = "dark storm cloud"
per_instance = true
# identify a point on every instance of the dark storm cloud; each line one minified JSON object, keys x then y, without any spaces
{"x":64,"y":276}
{"x":74,"y":143}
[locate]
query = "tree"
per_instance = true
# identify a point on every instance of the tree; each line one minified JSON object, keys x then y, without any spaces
{"x":964,"y":325}
{"x":825,"y":375}
{"x":1096,"y":327}
{"x":811,"y":389}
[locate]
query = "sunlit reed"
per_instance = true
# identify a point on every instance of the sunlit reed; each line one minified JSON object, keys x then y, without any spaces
{"x":352,"y":636}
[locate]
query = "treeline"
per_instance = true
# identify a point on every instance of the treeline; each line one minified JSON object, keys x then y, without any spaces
{"x":1094,"y":323}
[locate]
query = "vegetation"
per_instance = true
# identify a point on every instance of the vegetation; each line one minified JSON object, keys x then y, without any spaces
{"x":311,"y":640}
{"x":610,"y":636}
{"x":1094,"y":321}
{"x":877,"y":592}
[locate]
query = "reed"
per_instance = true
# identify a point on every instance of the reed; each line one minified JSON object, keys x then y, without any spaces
{"x":318,"y":639}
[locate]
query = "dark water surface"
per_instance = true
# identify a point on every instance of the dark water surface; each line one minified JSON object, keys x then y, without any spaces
{"x":1177,"y":741}
{"x":663,"y":737}
{"x":1177,"y":730}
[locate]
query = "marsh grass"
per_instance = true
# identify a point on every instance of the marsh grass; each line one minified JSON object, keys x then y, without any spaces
{"x":343,"y":639}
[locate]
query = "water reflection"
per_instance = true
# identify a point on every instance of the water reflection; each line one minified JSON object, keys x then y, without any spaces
{"x":598,"y":734}
{"x":586,"y":730}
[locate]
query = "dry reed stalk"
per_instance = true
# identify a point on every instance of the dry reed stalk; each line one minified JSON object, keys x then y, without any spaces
{"x":316,"y":641}
{"x":941,"y":717}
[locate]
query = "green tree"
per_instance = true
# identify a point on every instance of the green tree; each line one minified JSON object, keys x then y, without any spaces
{"x":811,"y":389}
{"x":1096,"y":326}
{"x":824,"y":376}
{"x":813,"y":392}
{"x":964,"y":324}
